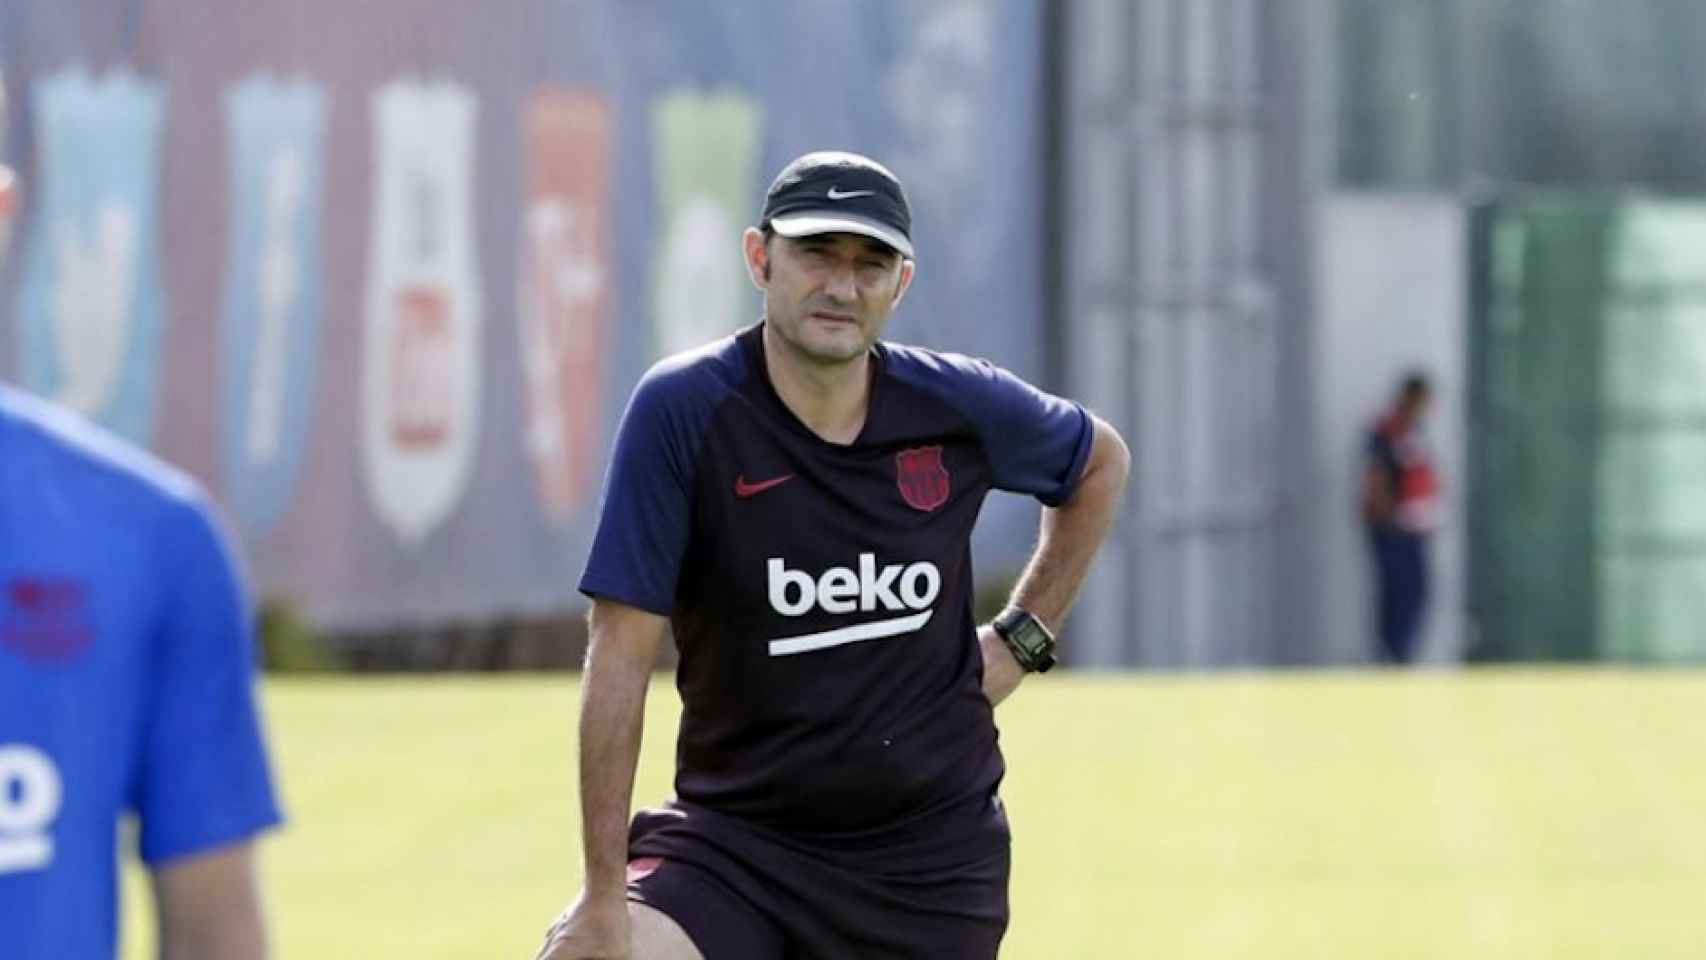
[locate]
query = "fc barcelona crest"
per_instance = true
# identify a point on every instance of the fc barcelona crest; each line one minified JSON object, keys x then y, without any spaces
{"x":923,"y":481}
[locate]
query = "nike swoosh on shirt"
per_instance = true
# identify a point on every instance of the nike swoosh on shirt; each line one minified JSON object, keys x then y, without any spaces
{"x":744,"y":489}
{"x":788,"y":646}
{"x":835,"y":194}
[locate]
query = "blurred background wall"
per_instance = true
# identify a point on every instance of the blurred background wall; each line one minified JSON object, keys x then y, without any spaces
{"x":382,"y":276}
{"x":1183,"y":305}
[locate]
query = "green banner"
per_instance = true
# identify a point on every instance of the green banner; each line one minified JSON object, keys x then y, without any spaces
{"x":705,"y":156}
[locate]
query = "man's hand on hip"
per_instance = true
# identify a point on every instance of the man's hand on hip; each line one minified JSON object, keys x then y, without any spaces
{"x":591,"y":929}
{"x":1001,"y":672}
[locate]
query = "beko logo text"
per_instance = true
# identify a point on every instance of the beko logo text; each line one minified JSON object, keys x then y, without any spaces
{"x":29,"y":800}
{"x":909,"y":589}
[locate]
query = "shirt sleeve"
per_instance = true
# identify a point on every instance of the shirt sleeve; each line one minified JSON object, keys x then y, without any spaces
{"x":1037,"y":443}
{"x":646,"y":513}
{"x":203,"y":780}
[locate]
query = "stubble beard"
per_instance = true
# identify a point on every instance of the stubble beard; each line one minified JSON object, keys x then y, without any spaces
{"x":836,"y":353}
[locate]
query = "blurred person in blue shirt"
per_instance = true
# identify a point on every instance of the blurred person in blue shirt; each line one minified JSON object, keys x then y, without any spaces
{"x":127,"y":686}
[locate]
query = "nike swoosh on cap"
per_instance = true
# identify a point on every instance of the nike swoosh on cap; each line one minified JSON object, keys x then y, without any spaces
{"x":838,"y":194}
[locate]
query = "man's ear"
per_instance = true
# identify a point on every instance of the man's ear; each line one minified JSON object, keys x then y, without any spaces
{"x":757,"y":257}
{"x":907,"y":269}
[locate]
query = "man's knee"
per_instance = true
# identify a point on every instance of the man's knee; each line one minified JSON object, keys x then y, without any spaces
{"x":657,"y":936}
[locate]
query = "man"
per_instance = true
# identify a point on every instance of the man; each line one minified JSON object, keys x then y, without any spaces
{"x":1401,"y":510}
{"x":797,"y":502}
{"x":126,"y":685}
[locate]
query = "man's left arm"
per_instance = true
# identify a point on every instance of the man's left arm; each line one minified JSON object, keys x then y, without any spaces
{"x":1070,"y":536}
{"x":209,"y":906}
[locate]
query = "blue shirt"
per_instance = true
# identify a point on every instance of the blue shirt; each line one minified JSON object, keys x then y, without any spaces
{"x":821,"y":594}
{"x":127,"y":679}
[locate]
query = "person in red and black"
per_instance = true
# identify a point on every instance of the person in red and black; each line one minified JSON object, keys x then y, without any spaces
{"x":1400,"y":502}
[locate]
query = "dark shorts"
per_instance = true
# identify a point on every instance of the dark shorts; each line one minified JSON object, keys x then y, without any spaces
{"x":742,"y":892}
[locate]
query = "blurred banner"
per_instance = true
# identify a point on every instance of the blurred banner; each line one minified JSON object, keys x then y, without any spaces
{"x":273,"y":300}
{"x":382,"y":275}
{"x":1589,"y":407}
{"x":89,"y":311}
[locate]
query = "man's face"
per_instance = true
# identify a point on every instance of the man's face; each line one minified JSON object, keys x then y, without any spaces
{"x":828,"y":296}
{"x":1414,"y":407}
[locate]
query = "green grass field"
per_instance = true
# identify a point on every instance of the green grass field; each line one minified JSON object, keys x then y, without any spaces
{"x":1554,"y":814}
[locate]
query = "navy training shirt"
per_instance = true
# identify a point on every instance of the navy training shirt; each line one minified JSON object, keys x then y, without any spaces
{"x":821,"y":594}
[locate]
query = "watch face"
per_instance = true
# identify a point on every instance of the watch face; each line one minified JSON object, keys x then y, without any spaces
{"x":1030,"y":641}
{"x":1031,"y":637}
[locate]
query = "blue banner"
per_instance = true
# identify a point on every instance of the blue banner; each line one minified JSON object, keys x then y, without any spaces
{"x":273,"y":295}
{"x":91,"y":308}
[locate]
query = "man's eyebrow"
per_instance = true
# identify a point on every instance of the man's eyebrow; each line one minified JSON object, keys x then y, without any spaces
{"x":873,"y":245}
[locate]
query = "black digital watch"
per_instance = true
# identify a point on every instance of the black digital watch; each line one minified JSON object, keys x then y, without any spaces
{"x":1025,"y":635}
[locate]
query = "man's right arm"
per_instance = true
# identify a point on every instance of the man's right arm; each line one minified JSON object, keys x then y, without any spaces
{"x":621,"y":653}
{"x":619,"y":661}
